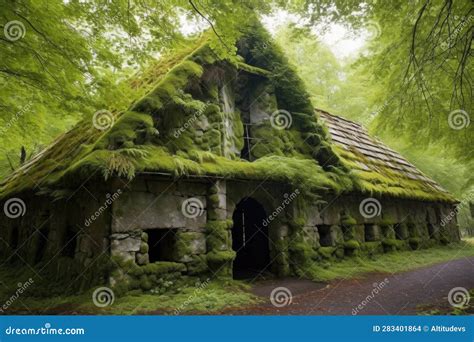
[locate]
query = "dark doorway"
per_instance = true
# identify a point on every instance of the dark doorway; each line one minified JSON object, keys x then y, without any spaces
{"x":325,"y":237}
{"x":161,"y":243}
{"x":250,"y":239}
{"x":41,"y":244}
{"x":69,"y":242}
{"x":14,"y":238}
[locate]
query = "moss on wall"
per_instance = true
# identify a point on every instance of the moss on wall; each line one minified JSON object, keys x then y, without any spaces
{"x":158,"y":276}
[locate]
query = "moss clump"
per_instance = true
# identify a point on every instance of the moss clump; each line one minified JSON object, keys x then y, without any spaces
{"x":162,"y":267}
{"x":182,"y":248}
{"x":220,"y":254}
{"x":220,"y":262}
{"x":372,"y":248}
{"x":218,"y":235}
{"x":388,"y":231}
{"x":145,"y":283}
{"x":347,"y":220}
{"x":197,"y":265}
{"x":352,"y":244}
{"x":280,"y":256}
{"x":169,"y":88}
{"x":327,"y":252}
{"x":131,"y":129}
{"x":351,"y":247}
{"x":301,"y":254}
{"x":390,"y":245}
{"x":213,"y":200}
{"x":415,"y":243}
{"x":158,"y":275}
{"x":444,"y":240}
{"x":144,"y":248}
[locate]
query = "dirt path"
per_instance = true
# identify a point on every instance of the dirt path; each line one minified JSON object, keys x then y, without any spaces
{"x":400,"y":293}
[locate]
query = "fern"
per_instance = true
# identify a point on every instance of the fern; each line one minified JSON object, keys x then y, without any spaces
{"x":123,"y":162}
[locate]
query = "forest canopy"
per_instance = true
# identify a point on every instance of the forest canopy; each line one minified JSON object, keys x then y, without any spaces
{"x":410,"y":82}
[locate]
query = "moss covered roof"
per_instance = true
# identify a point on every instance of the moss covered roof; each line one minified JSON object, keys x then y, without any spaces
{"x":183,"y":88}
{"x":378,"y":168}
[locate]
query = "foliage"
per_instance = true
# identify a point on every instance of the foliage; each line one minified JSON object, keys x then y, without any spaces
{"x":398,"y":261}
{"x":77,"y":57}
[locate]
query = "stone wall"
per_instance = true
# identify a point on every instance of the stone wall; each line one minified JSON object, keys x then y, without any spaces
{"x":399,"y":224}
{"x":61,"y":238}
{"x":179,"y":208}
{"x":297,"y":235}
{"x":124,"y":220}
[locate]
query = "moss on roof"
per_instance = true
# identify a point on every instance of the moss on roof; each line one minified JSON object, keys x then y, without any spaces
{"x":181,"y":89}
{"x":378,"y":169}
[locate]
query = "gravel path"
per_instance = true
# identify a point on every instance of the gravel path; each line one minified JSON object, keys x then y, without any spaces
{"x":375,"y":294}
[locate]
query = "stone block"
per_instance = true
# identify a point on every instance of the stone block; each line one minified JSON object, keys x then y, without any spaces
{"x":311,"y":236}
{"x":359,"y":232}
{"x":313,"y":217}
{"x":431,"y":215}
{"x":192,"y":188}
{"x":401,"y":231}
{"x":161,"y":187}
{"x":140,"y":211}
{"x":388,"y":231}
{"x":219,"y":214}
{"x":331,"y":214}
{"x":188,"y":244}
{"x":125,"y":243}
{"x":142,"y":259}
{"x":336,"y":234}
{"x":125,"y":256}
{"x":372,"y":232}
{"x":139,"y":184}
{"x":197,"y":243}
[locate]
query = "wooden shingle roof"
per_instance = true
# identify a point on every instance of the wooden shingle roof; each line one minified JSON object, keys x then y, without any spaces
{"x":368,"y":156}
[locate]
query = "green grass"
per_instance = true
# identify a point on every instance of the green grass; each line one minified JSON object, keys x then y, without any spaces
{"x":203,"y":297}
{"x":392,"y":262}
{"x":216,"y":295}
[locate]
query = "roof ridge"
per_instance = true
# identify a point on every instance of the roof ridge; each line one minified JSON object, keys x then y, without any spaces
{"x":341,"y":118}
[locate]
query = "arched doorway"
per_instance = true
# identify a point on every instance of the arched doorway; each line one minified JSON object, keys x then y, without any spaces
{"x":250,"y":239}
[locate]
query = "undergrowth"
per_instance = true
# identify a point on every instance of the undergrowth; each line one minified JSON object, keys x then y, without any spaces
{"x":214,"y":295}
{"x":390,"y":262}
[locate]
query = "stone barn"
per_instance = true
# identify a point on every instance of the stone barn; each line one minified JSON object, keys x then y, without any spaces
{"x":221,"y":166}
